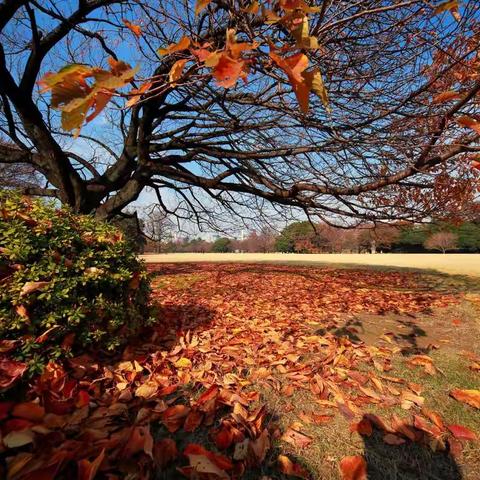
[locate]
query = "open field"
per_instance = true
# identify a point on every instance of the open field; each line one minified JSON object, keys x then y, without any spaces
{"x":454,"y":264}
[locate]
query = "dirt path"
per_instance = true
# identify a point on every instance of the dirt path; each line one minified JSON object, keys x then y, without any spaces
{"x":453,"y":264}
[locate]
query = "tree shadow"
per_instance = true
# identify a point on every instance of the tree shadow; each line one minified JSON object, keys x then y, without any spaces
{"x":409,"y":461}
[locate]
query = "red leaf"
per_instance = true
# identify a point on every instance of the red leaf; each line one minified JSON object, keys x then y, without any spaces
{"x":353,"y":468}
{"x":10,"y":371}
{"x":140,"y":440}
{"x":462,"y":433}
{"x":83,"y":398}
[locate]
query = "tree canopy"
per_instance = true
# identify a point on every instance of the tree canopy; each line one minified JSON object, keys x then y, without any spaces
{"x":360,"y":109}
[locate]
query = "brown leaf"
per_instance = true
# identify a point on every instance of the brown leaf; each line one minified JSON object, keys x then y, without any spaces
{"x":164,"y":452}
{"x":392,"y":439}
{"x":296,"y":438}
{"x":31,"y":287}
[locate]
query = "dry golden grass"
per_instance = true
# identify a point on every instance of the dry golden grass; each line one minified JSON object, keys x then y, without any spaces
{"x":455,"y":264}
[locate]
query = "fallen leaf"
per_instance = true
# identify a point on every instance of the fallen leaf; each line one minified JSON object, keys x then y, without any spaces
{"x":353,"y":468}
{"x":470,"y":397}
{"x":287,"y":467}
{"x":462,"y":433}
{"x":87,"y":470}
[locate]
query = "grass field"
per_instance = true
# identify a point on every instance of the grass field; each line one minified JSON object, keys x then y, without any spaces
{"x":328,"y":347}
{"x":456,"y":264}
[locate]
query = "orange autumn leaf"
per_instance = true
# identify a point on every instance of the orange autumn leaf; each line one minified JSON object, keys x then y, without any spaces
{"x":87,"y":470}
{"x":205,"y":462}
{"x":466,"y":121}
{"x":21,"y":310}
{"x":446,"y":96}
{"x":294,"y":66}
{"x":201,"y":5}
{"x":176,"y":72}
{"x":287,"y":467}
{"x":174,"y":417}
{"x":193,"y":421}
{"x":182,"y":45}
{"x":136,"y":94}
{"x":364,"y":427}
{"x":136,"y":29}
{"x":353,"y":468}
{"x":470,"y":397}
{"x":228,"y":71}
{"x":28,"y":411}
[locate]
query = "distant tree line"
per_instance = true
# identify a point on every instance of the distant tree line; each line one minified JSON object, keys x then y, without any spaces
{"x":304,"y":237}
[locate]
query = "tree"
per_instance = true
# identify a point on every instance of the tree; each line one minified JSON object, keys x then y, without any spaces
{"x":293,"y":233}
{"x":158,"y":226}
{"x":222,"y":245}
{"x":378,"y":236}
{"x":312,"y":107}
{"x":263,"y":241}
{"x":469,"y":237}
{"x":442,"y":241}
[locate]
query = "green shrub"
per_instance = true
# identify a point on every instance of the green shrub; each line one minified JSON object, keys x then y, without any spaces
{"x":68,"y":283}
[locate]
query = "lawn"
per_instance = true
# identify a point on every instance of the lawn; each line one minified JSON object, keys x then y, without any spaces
{"x":450,"y":263}
{"x":326,"y":347}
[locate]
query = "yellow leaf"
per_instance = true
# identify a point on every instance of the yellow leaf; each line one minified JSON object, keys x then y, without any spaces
{"x":183,"y":363}
{"x":213,"y":59}
{"x":317,"y":86}
{"x":18,"y":438}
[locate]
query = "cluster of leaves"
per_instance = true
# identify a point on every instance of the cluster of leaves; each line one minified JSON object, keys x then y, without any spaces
{"x":67,"y":282}
{"x":227,"y":64}
{"x":187,"y":399}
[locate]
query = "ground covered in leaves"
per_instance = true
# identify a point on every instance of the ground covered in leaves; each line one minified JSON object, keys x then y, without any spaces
{"x":266,"y":372}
